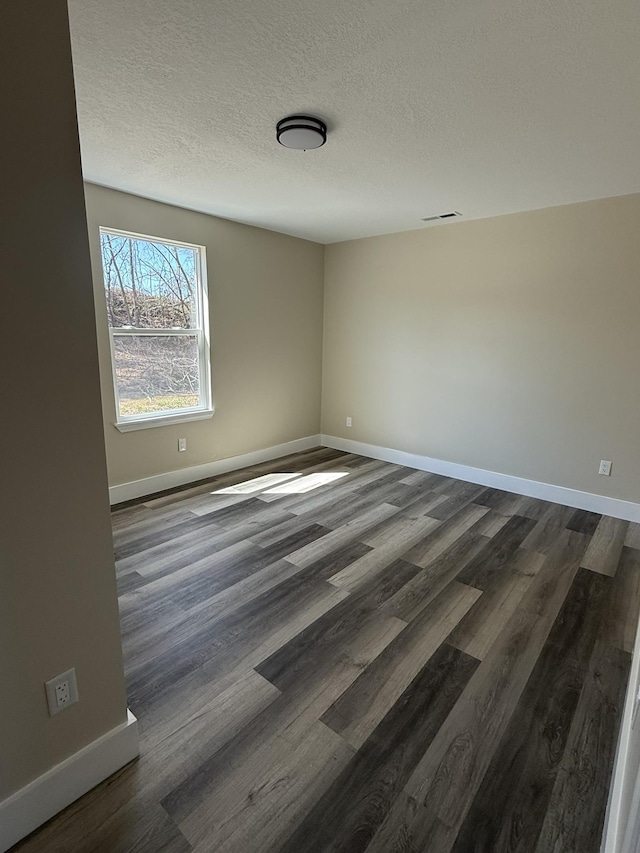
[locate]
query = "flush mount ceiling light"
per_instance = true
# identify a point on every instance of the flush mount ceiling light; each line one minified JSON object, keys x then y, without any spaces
{"x":301,"y":132}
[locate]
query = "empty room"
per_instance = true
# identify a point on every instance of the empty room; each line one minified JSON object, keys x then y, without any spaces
{"x":321,"y":518}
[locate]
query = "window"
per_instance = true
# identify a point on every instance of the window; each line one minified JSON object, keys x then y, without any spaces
{"x":158,"y":324}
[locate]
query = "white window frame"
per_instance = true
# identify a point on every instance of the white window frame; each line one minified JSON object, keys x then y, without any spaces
{"x":205,"y":409}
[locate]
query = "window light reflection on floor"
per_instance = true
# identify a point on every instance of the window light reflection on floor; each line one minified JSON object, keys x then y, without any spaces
{"x":282,"y":484}
{"x":306,"y":484}
{"x":258,"y":484}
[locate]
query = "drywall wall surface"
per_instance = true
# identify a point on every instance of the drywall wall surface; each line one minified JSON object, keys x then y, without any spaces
{"x":265,"y":300}
{"x":510,"y":344}
{"x":58,"y":605}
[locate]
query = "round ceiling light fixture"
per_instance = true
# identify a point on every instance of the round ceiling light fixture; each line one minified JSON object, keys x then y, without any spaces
{"x":301,"y":132}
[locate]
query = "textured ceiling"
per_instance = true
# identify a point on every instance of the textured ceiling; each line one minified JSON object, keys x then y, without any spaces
{"x":481,"y":106}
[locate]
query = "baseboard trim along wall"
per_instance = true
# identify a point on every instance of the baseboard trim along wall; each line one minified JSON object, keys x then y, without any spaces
{"x":171,"y":479}
{"x":531,"y":488}
{"x":60,"y":786}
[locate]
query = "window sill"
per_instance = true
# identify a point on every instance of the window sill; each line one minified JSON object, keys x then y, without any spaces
{"x":166,"y":420}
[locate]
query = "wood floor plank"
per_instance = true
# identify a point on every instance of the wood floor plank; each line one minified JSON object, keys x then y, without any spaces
{"x":357,"y":574}
{"x":445,"y":534}
{"x":388,"y":477}
{"x":575,"y":815}
{"x":343,"y":490}
{"x":127,"y":582}
{"x":583,"y":521}
{"x":209,"y":575}
{"x":185,"y":575}
{"x":161,"y":534}
{"x":187,"y":549}
{"x":128,"y":516}
{"x":632,"y":539}
{"x":484,"y":622}
{"x":210,"y":722}
{"x":422,"y":504}
{"x":281,"y":727}
{"x":271,"y":576}
{"x":522,"y":772}
{"x":450,"y":507}
{"x":206,"y":577}
{"x":549,"y":526}
{"x":534,"y":508}
{"x":335,"y":629}
{"x":332,"y":514}
{"x":505,"y":503}
{"x":283,"y":526}
{"x":382,"y":532}
{"x":222,"y":672}
{"x":140,"y":827}
{"x":213,"y":613}
{"x":496,"y":556}
{"x":264,"y":808}
{"x":408,"y":828}
{"x":211,"y":655}
{"x":491,"y":523}
{"x":392,"y":530}
{"x":149,"y":522}
{"x":421,"y":478}
{"x":622,"y":623}
{"x":401,"y":495}
{"x":360,"y":798}
{"x":420,"y":591}
{"x":361,"y":708}
{"x":236,"y":510}
{"x":465,"y":745}
{"x":461,"y":489}
{"x":354,"y":529}
{"x":605,"y":547}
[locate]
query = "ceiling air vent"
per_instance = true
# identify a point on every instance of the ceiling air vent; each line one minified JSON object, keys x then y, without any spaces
{"x":451,"y":215}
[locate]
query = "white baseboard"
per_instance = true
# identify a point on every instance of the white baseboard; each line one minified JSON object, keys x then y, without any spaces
{"x":531,"y":488}
{"x":171,"y":479}
{"x":56,"y":789}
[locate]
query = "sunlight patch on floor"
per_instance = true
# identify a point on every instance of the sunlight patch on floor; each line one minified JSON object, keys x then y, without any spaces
{"x":306,"y":484}
{"x":258,"y":484}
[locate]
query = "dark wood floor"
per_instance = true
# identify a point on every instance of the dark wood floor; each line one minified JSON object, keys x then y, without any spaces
{"x":386,"y":660}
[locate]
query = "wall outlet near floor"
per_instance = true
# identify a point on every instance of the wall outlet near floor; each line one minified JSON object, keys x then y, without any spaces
{"x":182,"y":444}
{"x":349,"y":422}
{"x":605,"y":468}
{"x":62,"y":691}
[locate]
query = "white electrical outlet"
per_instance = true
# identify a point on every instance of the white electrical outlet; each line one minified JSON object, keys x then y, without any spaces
{"x":182,"y":444}
{"x":348,"y":422}
{"x":62,"y":691}
{"x":605,"y":468}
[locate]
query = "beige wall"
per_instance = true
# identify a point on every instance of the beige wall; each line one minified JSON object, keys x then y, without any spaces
{"x":265,"y":296}
{"x":510,"y":344}
{"x":58,"y":606}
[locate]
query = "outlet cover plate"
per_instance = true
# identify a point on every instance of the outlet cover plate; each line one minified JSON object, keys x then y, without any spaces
{"x":62,"y":691}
